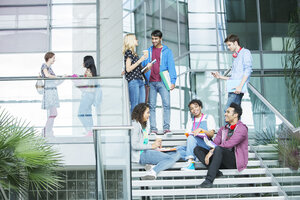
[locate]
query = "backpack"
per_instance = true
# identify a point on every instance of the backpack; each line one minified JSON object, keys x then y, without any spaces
{"x":39,"y":85}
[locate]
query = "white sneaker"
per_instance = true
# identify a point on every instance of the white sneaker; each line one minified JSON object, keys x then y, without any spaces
{"x":150,"y":175}
{"x":149,"y":167}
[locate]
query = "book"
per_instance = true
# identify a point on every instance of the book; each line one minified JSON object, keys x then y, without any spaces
{"x":209,"y":143}
{"x":165,"y":77}
{"x":201,"y":134}
{"x":232,"y":84}
{"x":166,"y":149}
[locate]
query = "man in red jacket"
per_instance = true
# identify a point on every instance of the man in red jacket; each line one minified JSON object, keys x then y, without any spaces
{"x":231,"y":151}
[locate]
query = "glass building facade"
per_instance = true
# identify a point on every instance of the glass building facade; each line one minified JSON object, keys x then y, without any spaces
{"x":193,"y":29}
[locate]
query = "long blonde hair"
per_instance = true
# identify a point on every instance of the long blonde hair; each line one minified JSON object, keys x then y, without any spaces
{"x":128,"y":43}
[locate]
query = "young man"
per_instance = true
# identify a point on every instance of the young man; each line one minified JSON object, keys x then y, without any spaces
{"x":241,"y":69}
{"x":232,"y":149}
{"x":199,"y":124}
{"x":164,"y":62}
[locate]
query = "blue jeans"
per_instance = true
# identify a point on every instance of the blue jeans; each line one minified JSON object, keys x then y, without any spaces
{"x":191,"y":144}
{"x":136,"y":92}
{"x":161,"y":160}
{"x":159,"y":87}
{"x":85,"y":110}
{"x":234,"y":98}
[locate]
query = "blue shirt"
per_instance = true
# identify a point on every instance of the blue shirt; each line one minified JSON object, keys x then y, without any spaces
{"x":242,"y":65}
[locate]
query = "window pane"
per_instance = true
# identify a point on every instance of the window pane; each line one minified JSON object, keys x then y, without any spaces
{"x":241,"y":19}
{"x":21,"y":64}
{"x":275,"y":18}
{"x":22,"y":2}
{"x":23,"y":41}
{"x":74,"y":39}
{"x":75,"y":15}
{"x":23,"y":17}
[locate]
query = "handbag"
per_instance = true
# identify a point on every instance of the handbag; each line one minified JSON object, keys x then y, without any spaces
{"x":39,"y":85}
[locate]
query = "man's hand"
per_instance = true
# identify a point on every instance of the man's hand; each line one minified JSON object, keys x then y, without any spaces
{"x":172,"y":86}
{"x":238,"y":89}
{"x":208,"y":155}
{"x":216,"y":74}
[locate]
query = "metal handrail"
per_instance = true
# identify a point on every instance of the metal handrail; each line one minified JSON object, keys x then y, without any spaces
{"x":272,"y":108}
{"x":27,"y":78}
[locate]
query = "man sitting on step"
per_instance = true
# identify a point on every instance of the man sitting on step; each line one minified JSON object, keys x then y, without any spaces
{"x":231,"y":151}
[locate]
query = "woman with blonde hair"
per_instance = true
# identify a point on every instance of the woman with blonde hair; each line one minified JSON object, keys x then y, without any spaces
{"x":133,"y":73}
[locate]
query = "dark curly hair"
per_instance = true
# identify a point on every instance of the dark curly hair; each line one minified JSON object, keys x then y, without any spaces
{"x":237,"y":109}
{"x":138,"y":113}
{"x":196,"y":101}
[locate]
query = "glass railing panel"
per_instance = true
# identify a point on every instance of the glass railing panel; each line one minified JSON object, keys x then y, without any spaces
{"x":207,"y":90}
{"x":277,"y":93}
{"x":276,"y":144}
{"x":203,"y":60}
{"x":113,"y":163}
{"x":76,"y":97}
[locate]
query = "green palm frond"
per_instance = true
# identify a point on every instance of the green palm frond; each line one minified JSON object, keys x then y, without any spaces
{"x":25,"y":158}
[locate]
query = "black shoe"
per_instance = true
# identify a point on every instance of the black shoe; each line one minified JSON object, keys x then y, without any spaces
{"x":206,"y":184}
{"x":219,"y":174}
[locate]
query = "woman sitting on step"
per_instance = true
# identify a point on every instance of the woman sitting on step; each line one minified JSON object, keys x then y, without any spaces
{"x":142,"y":151}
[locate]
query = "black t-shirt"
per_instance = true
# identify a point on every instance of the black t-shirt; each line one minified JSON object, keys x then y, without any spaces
{"x":136,"y":73}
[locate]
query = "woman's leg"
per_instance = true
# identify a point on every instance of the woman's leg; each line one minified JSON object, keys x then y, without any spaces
{"x":52,"y":113}
{"x":142,"y":93}
{"x":133,"y":87}
{"x":162,"y":161}
{"x":85,"y":111}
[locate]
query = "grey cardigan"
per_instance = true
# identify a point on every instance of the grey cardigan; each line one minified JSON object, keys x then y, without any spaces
{"x":137,"y":141}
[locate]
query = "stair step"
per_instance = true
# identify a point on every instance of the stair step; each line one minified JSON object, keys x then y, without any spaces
{"x":251,"y":198}
{"x":206,"y":191}
{"x":226,"y":172}
{"x":193,"y":182}
{"x":178,"y":165}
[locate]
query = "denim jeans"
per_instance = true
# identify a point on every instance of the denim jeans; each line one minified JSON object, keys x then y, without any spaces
{"x":159,"y":87}
{"x":85,"y":110}
{"x":234,"y":98}
{"x":191,"y":143}
{"x":136,"y":92}
{"x":161,"y":160}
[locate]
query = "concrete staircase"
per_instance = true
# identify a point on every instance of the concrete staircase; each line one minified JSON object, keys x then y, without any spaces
{"x":262,"y":179}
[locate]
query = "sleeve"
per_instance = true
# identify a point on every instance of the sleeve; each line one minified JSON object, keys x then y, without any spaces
{"x":171,"y":67}
{"x":189,"y":125}
{"x":247,"y":63}
{"x":136,"y":144}
{"x":218,"y":138}
{"x":239,"y":135}
{"x":128,"y":54}
{"x":211,"y":124}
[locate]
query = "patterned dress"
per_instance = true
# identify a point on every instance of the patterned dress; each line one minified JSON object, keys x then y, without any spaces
{"x":50,"y":96}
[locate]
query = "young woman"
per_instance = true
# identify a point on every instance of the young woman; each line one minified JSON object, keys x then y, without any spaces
{"x":91,"y":94}
{"x":50,"y":100}
{"x":196,"y":127}
{"x":133,"y":72}
{"x":142,"y":151}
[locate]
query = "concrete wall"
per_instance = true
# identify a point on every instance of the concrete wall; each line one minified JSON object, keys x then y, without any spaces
{"x":111,"y":37}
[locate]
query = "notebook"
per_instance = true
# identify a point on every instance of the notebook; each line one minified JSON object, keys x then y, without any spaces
{"x":165,"y":77}
{"x":232,"y":84}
